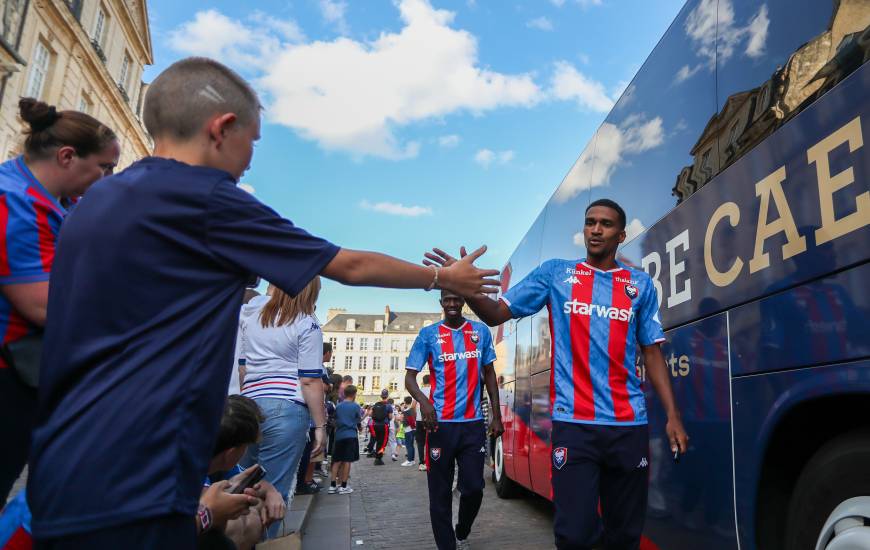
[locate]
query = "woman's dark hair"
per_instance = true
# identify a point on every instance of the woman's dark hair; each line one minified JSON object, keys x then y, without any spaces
{"x":50,"y":129}
{"x":240,"y":424}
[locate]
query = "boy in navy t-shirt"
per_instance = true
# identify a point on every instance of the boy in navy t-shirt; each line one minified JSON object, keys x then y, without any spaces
{"x":143,"y":308}
{"x":348,"y":419}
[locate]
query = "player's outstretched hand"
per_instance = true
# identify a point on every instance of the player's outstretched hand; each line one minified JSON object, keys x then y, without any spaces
{"x":440,"y":258}
{"x":465,"y":279}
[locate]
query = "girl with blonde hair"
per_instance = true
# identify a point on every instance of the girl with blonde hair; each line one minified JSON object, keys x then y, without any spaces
{"x":282,"y":348}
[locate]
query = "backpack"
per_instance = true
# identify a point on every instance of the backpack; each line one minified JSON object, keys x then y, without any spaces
{"x":379,"y":412}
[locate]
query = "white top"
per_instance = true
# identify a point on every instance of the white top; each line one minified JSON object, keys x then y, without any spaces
{"x":425,"y":389}
{"x":276,"y":357}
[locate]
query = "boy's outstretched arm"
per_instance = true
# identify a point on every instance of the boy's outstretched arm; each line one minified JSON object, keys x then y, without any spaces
{"x":358,"y":268}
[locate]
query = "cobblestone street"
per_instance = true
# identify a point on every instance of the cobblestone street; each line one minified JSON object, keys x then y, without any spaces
{"x":390,"y":509}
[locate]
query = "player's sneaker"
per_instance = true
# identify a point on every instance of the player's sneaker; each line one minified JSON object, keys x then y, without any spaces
{"x":332,"y":489}
{"x":345,"y":490}
{"x":463,"y":544}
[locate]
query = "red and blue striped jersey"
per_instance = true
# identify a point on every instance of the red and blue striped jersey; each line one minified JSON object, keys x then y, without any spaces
{"x":456,"y":358}
{"x":597,"y":319}
{"x":30,"y":220}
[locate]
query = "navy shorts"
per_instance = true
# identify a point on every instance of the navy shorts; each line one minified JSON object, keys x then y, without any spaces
{"x":346,"y":450}
{"x":595,"y":464}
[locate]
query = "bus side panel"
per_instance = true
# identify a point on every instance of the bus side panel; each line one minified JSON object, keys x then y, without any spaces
{"x":760,"y":403}
{"x":691,"y":502}
{"x":522,"y":406}
{"x":507,"y":395}
{"x":541,"y":428}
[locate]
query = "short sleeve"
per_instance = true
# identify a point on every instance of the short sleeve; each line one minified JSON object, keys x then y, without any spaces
{"x":649,"y":326}
{"x":529,"y":295}
{"x":29,"y":235}
{"x":310,"y":349}
{"x":419,"y":354}
{"x":253,"y":238}
{"x":488,"y":349}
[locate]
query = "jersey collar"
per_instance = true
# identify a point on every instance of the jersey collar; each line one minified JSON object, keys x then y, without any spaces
{"x":460,"y":327}
{"x":615,"y":269}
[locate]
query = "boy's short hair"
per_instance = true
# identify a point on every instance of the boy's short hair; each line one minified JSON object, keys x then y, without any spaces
{"x":350,"y":391}
{"x":347,"y":378}
{"x":408,"y":400}
{"x":240,"y":424}
{"x":425,"y":379}
{"x":189,"y":92}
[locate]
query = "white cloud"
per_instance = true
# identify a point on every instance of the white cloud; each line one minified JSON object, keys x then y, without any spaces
{"x":713,"y":21}
{"x":758,"y":33}
{"x":570,"y":84}
{"x":355,"y":96}
{"x":540,"y":23}
{"x":486,"y":157}
{"x":608,"y":147}
{"x":578,"y":239}
{"x":396,"y":209}
{"x":634,"y":228}
{"x":448,"y":141}
{"x":288,"y":29}
{"x":333,"y":12}
{"x":618,"y":90}
{"x":247,"y":187}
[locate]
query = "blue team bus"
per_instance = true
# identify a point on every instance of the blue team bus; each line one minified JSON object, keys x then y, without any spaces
{"x":738,"y":153}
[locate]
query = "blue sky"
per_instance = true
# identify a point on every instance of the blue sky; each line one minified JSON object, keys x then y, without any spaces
{"x":397,"y":126}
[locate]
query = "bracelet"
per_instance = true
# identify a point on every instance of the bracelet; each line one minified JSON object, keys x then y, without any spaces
{"x":203,"y":514}
{"x":434,"y":283}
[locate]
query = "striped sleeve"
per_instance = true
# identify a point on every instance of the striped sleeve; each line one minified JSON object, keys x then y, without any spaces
{"x":28,"y":235}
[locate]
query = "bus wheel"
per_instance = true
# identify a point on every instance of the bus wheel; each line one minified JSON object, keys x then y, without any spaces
{"x":504,"y":487}
{"x":826,"y":491}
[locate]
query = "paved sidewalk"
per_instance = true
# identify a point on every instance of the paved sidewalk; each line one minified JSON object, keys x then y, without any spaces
{"x":389,"y":509}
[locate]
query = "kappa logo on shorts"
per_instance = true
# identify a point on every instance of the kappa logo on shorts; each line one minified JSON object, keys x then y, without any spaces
{"x":643,"y":463}
{"x":560,"y":457}
{"x":435,"y":453}
{"x":631,"y":291}
{"x":483,"y":449}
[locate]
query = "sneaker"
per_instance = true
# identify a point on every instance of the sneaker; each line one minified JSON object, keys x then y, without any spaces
{"x":463,"y":544}
{"x":422,"y":467}
{"x":408,"y":463}
{"x":332,"y":489}
{"x":379,"y":462}
{"x":309,"y":489}
{"x":395,"y":457}
{"x":345,"y":490}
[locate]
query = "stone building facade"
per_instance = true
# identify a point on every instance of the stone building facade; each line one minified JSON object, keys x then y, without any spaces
{"x":87,"y":55}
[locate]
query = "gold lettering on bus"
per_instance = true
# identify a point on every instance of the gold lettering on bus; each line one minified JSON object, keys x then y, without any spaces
{"x":771,"y":186}
{"x":832,"y":227}
{"x":731,"y":211}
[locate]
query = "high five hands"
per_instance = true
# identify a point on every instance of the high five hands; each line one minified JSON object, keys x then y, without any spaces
{"x":462,"y":276}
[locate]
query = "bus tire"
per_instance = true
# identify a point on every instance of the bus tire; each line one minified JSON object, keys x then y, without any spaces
{"x":504,"y":486}
{"x":837,"y":472}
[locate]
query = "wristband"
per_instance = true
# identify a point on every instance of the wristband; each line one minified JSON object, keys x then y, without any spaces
{"x":203,"y":515}
{"x":434,"y":283}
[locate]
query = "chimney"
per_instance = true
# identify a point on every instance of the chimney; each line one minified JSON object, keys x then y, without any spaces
{"x":386,"y":316}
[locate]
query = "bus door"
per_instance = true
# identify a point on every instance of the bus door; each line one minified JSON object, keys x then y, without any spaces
{"x":691,"y":502}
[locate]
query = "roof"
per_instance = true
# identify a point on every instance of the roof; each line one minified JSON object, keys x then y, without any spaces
{"x":400,"y":321}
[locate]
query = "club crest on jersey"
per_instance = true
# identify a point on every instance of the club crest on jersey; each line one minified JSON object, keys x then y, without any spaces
{"x":560,"y":457}
{"x":630,"y":291}
{"x":435,"y":453}
{"x":475,"y":337}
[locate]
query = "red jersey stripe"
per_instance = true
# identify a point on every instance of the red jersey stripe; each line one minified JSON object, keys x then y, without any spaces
{"x":4,"y":227}
{"x":472,"y":375}
{"x":617,"y":374}
{"x":449,"y":411}
{"x":46,"y":237}
{"x":584,"y":394}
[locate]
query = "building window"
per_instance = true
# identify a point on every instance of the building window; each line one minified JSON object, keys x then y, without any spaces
{"x":394,"y":363}
{"x":394,"y":345}
{"x":361,"y":385}
{"x":362,"y":363}
{"x":378,"y":344}
{"x":363,"y":344}
{"x":394,"y":385}
{"x":332,"y":362}
{"x":376,"y":363}
{"x":376,"y":383}
{"x":75,"y":6}
{"x":348,"y":362}
{"x":348,"y":344}
{"x":38,"y":71}
{"x":12,"y":12}
{"x":408,"y":344}
{"x":85,"y":104}
{"x":101,"y":27}
{"x":124,"y":77}
{"x":732,"y":136}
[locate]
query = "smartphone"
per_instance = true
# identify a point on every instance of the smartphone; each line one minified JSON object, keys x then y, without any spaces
{"x":249,"y":481}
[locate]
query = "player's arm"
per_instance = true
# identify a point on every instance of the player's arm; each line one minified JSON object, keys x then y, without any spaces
{"x":658,"y":373}
{"x":357,"y":268}
{"x":495,"y":427}
{"x":427,"y":410}
{"x":491,"y":312}
{"x":29,"y":299}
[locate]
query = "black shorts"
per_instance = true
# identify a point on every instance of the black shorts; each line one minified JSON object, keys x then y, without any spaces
{"x":346,"y":450}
